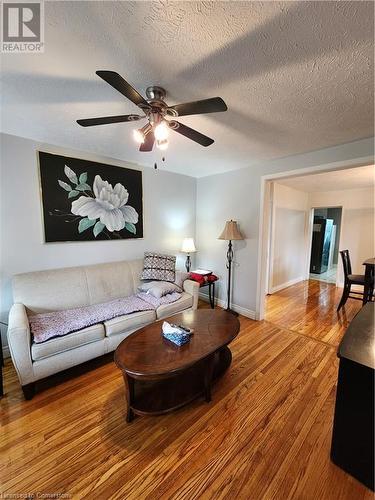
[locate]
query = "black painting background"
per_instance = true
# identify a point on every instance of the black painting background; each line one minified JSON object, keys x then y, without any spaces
{"x":55,"y":197}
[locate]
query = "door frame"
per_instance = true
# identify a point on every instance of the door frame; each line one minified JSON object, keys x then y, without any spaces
{"x":266,"y":215}
{"x":271,"y":236}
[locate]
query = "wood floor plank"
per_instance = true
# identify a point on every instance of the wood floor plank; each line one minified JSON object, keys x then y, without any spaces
{"x":265,"y":435}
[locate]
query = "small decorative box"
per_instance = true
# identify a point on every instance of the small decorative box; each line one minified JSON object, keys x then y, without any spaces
{"x":177,"y":338}
{"x":175,"y":333}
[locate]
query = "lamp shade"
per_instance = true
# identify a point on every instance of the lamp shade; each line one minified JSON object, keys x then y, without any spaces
{"x":231,"y":231}
{"x":188,"y":245}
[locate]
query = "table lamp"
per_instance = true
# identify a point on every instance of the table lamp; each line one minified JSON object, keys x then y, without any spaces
{"x":188,"y":247}
{"x":230,"y":232}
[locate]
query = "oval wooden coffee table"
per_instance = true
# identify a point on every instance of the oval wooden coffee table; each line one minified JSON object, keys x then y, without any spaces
{"x":160,"y":377}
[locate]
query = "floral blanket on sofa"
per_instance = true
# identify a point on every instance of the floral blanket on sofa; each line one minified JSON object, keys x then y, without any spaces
{"x":46,"y":326}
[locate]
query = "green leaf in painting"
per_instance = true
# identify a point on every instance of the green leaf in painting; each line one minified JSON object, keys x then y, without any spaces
{"x":130,"y":227}
{"x":85,"y":224}
{"x":83,"y":187}
{"x":73,"y":193}
{"x":65,"y":186}
{"x":70,"y":174}
{"x":83,"y":178}
{"x":98,"y":228}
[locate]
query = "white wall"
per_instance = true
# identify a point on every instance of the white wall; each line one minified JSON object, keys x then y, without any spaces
{"x":170,"y":204}
{"x":236,"y":195}
{"x":357,"y":233}
{"x":289,"y":236}
{"x":169,"y":216}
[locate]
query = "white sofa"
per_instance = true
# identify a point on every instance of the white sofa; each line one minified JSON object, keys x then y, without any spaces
{"x":66,"y":288}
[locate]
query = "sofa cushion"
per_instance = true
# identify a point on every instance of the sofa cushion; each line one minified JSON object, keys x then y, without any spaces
{"x":112,"y":280}
{"x":128,"y":322}
{"x":184,"y":302}
{"x":52,"y":290}
{"x":70,"y":341}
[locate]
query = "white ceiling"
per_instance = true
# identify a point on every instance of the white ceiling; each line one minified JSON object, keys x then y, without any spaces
{"x":296,"y":76}
{"x":351,"y":178}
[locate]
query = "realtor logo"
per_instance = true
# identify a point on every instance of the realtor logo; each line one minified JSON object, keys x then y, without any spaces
{"x":22,"y":27}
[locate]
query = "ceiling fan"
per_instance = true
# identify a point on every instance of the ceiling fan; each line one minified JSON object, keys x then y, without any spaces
{"x":156,"y":111}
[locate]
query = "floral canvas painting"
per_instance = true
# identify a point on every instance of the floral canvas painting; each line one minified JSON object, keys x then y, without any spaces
{"x":85,"y":200}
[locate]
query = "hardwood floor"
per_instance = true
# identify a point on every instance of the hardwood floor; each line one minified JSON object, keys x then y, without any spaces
{"x":309,"y":308}
{"x":265,"y":435}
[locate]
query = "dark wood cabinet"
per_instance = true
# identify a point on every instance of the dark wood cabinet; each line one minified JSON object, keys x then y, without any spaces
{"x":353,"y":428}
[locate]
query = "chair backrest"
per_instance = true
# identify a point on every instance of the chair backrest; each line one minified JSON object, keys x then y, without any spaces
{"x":346,"y":262}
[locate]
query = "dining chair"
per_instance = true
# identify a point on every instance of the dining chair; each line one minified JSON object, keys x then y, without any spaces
{"x":352,"y":279}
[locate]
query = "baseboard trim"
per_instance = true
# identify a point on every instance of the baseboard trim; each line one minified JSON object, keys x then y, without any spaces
{"x":239,"y":309}
{"x":6,"y":352}
{"x":285,"y":285}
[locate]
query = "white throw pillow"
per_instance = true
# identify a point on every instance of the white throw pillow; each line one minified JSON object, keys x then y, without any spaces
{"x":159,"y":288}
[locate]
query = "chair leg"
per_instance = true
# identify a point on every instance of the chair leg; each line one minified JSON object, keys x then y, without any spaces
{"x":345,"y":295}
{"x":371,"y":293}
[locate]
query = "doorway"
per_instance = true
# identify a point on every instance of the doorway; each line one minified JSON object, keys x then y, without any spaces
{"x":312,"y":175}
{"x":325,"y":241}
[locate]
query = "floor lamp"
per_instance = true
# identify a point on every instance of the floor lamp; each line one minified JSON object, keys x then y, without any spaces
{"x":231,"y":232}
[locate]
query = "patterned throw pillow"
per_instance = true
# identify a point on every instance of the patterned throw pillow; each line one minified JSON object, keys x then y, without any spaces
{"x":157,"y":266}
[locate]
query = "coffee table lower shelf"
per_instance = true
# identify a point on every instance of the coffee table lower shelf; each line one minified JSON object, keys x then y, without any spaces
{"x":156,"y":397}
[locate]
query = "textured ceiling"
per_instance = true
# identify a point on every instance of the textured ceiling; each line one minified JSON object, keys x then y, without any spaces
{"x":296,"y":76}
{"x":351,"y":178}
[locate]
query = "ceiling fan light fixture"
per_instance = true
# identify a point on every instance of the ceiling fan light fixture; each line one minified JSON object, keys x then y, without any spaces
{"x":161,"y":131}
{"x":139,"y":135}
{"x":156,"y":111}
{"x":163,"y":145}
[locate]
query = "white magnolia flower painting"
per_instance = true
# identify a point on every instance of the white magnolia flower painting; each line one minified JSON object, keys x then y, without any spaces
{"x":109,"y":207}
{"x":94,"y":201}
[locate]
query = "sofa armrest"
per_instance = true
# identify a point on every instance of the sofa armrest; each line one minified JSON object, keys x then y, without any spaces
{"x":192,"y":287}
{"x":19,"y":341}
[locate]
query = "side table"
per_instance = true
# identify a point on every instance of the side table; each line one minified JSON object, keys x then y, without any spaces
{"x":211,"y":292}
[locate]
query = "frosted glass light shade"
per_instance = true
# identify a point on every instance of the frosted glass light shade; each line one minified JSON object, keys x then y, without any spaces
{"x":188,"y":245}
{"x":231,"y":231}
{"x":140,"y":134}
{"x":161,"y":131}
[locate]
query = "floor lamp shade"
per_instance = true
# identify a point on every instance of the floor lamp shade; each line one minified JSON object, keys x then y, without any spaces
{"x":230,"y":232}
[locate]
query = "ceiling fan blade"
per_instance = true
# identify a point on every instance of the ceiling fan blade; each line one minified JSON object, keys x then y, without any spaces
{"x":149,"y":142}
{"x":214,"y":105}
{"x":103,"y":120}
{"x":192,"y":134}
{"x":117,"y":82}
